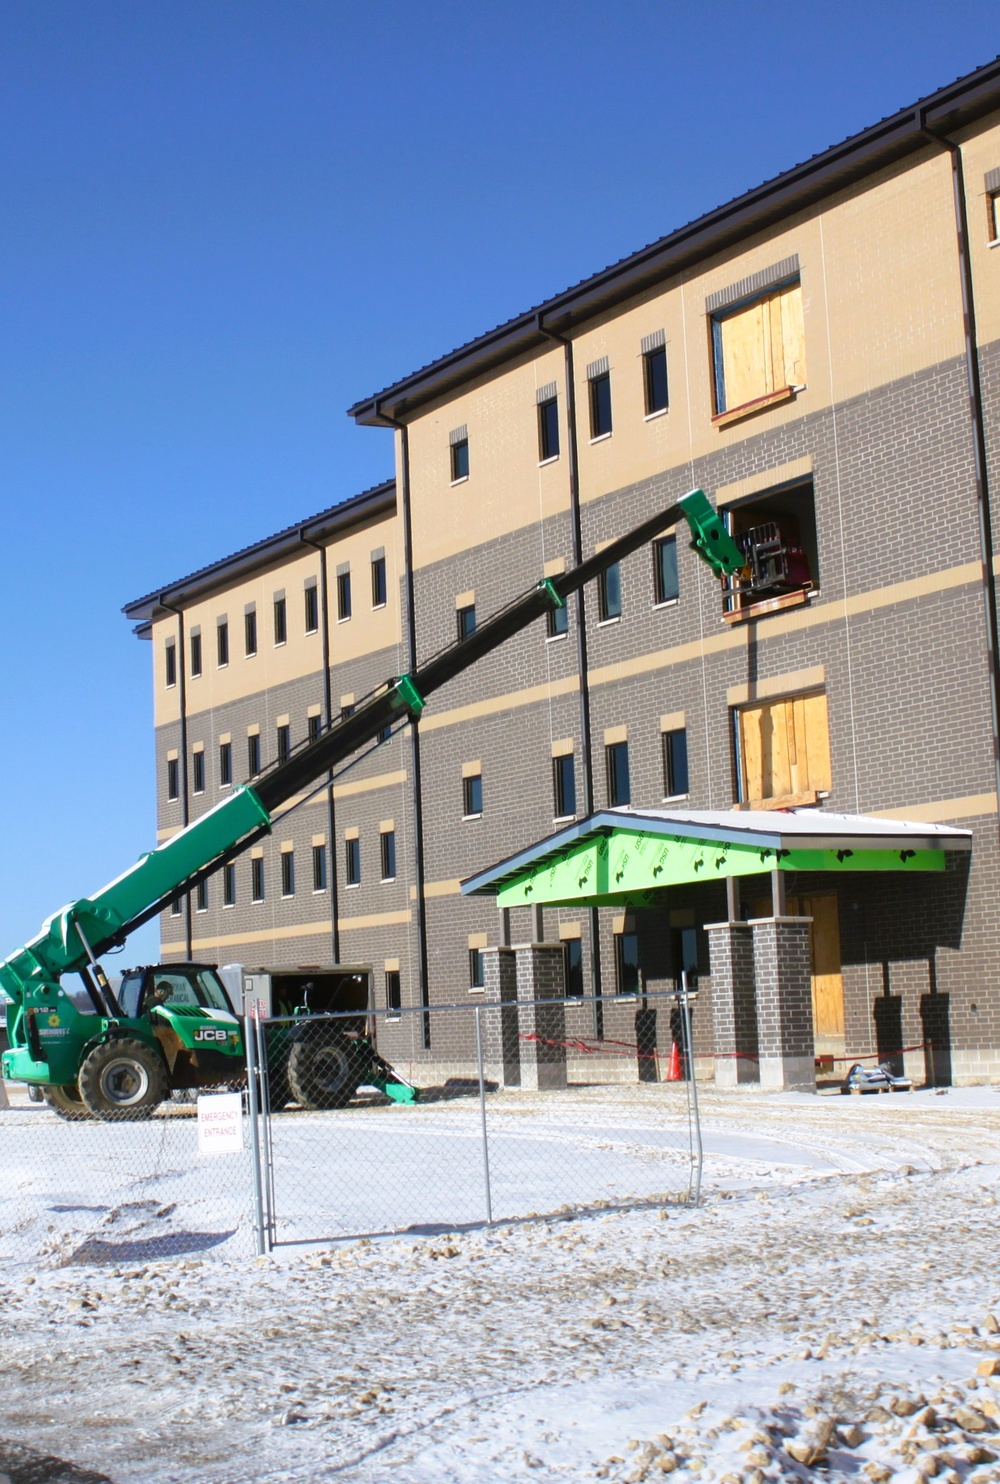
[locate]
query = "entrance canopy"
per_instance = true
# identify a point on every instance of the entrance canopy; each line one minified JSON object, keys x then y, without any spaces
{"x":625,"y":857}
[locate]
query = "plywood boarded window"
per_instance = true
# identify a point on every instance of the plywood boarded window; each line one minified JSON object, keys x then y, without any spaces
{"x":784,"y":751}
{"x":759,"y":349}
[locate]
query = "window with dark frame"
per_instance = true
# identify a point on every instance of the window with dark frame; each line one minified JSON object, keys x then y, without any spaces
{"x":311,"y":598}
{"x":196,"y":654}
{"x":654,"y":366}
{"x":170,"y":663}
{"x":250,"y":632}
{"x":352,"y":862}
{"x":466,"y":619}
{"x":609,"y":593}
{"x":476,"y":979}
{"x":314,"y":725}
{"x":993,"y":203}
{"x":201,"y":896}
{"x":346,"y":710}
{"x":616,"y":764}
{"x":225,"y":764}
{"x":173,"y":779}
{"x":288,"y":873}
{"x":387,"y":847}
{"x":257,"y":879}
{"x":319,"y":867}
{"x":284,"y":739}
{"x":393,"y":991}
{"x":198,"y":772}
{"x":573,"y":948}
{"x":280,"y":621}
{"x":665,"y":569}
{"x":229,"y":886}
{"x":459,"y":460}
{"x":253,"y":755}
{"x":675,"y":763}
{"x":626,"y":963}
{"x":548,"y":429}
{"x":564,"y":785}
{"x":600,"y":405}
{"x":175,"y":907}
{"x":380,"y":591}
{"x":222,"y":644}
{"x":472,"y":796}
{"x":557,"y":621}
{"x":343,"y":596}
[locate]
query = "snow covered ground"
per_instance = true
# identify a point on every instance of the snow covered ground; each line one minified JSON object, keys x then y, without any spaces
{"x":831,"y":1304}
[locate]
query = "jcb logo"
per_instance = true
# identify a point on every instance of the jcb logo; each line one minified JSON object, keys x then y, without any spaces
{"x":210,"y":1035}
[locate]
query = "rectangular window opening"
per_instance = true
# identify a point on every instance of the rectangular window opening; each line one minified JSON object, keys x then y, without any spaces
{"x":253,"y":755}
{"x":314,"y":725}
{"x":758,"y":350}
{"x":476,"y":978}
{"x":380,"y":590}
{"x":776,"y":531}
{"x":173,"y":779}
{"x":319,"y":867}
{"x":460,"y":460}
{"x":573,"y":948}
{"x":201,"y":896}
{"x":280,"y":621}
{"x":257,"y":879}
{"x":387,"y":846}
{"x":222,"y":645}
{"x":352,"y":862}
{"x":343,"y":596}
{"x":564,"y":786}
{"x":675,"y":763}
{"x":993,"y":205}
{"x":198,"y":772}
{"x":466,"y":620}
{"x":229,"y":886}
{"x":195,"y":654}
{"x":170,"y":663}
{"x":250,"y":632}
{"x":225,"y":764}
{"x":609,"y":593}
{"x":284,"y":738}
{"x":548,"y":429}
{"x":616,"y":765}
{"x":665,"y":569}
{"x":783,"y":751}
{"x":626,"y":963}
{"x":472,"y":796}
{"x":393,"y":990}
{"x":175,"y":907}
{"x":311,"y":598}
{"x":600,"y":405}
{"x":557,"y":621}
{"x":654,"y":365}
{"x":288,"y":873}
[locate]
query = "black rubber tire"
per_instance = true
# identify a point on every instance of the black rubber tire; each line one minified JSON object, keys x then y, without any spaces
{"x":67,"y":1102}
{"x":321,"y":1070}
{"x":123,"y":1080}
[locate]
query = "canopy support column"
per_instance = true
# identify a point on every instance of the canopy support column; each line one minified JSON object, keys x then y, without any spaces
{"x":783,"y":973}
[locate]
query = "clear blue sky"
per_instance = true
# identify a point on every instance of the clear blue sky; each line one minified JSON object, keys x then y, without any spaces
{"x":222,"y":223}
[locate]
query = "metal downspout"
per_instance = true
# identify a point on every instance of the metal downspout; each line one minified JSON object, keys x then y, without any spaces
{"x":328,"y":721}
{"x":411,"y":665}
{"x":185,"y":811}
{"x":973,"y":372}
{"x":583,"y":663}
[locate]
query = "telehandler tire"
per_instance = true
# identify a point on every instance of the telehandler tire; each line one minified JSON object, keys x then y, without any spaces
{"x":122,"y":1080}
{"x":67,"y":1102}
{"x":321,"y":1072}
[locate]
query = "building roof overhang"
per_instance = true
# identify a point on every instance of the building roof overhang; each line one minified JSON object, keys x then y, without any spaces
{"x":881,"y":145}
{"x":628,"y":856}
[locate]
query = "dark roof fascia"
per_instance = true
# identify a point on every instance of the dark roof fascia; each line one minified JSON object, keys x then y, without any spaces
{"x":882,"y":145}
{"x":372,"y":502}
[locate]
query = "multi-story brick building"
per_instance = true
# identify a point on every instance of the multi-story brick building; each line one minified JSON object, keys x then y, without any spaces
{"x":822,"y":355}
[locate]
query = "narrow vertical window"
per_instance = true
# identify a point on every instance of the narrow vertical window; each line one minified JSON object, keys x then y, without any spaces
{"x":288,"y":873}
{"x":675,"y":763}
{"x":229,"y":886}
{"x":466,"y":618}
{"x":250,"y":631}
{"x":175,"y":907}
{"x":387,"y":845}
{"x":170,"y":663}
{"x":196,"y":653}
{"x":459,"y":455}
{"x":380,"y":589}
{"x":993,"y":204}
{"x":654,"y":367}
{"x":253,"y":755}
{"x":257,"y":879}
{"x":280,"y":621}
{"x":319,"y":868}
{"x":198,"y":772}
{"x":557,"y":621}
{"x":225,"y":764}
{"x":222,"y":643}
{"x":173,"y":779}
{"x":564,"y":786}
{"x":626,"y":963}
{"x":573,"y":949}
{"x":609,"y":593}
{"x":314,"y":725}
{"x":393,"y":991}
{"x":476,"y":980}
{"x":201,"y":896}
{"x":343,"y":596}
{"x":665,"y":569}
{"x":616,"y":763}
{"x":284,"y":743}
{"x":352,"y":862}
{"x":600,"y":404}
{"x":548,"y":429}
{"x":472,"y":796}
{"x":312,"y":609}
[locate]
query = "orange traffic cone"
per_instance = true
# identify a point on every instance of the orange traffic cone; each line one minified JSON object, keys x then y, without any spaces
{"x":674,"y":1066}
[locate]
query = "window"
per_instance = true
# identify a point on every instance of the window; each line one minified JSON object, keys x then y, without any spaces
{"x":616,"y":760}
{"x":665,"y":569}
{"x":600,"y":405}
{"x":253,"y":755}
{"x":685,"y":946}
{"x":312,"y":609}
{"x":201,"y":896}
{"x":343,"y":596}
{"x":257,"y":879}
{"x":548,"y":429}
{"x":626,"y":963}
{"x":173,"y":779}
{"x":776,"y":531}
{"x":288,"y":873}
{"x":346,"y":710}
{"x":993,"y":205}
{"x":783,"y":751}
{"x":609,"y":593}
{"x":574,"y":967}
{"x":564,"y":785}
{"x":393,"y":992}
{"x":675,"y":763}
{"x":198,"y":772}
{"x":250,"y":632}
{"x":476,"y":980}
{"x":225,"y":764}
{"x":196,"y":653}
{"x":557,"y":621}
{"x":319,"y":868}
{"x":170,"y":662}
{"x":472,"y":796}
{"x":175,"y":907}
{"x":280,"y":621}
{"x":284,"y":743}
{"x":459,"y":460}
{"x":379,"y":588}
{"x":314,"y":725}
{"x":229,"y":886}
{"x":353,"y":861}
{"x":384,"y":735}
{"x":654,"y":374}
{"x":222,"y":644}
{"x":466,"y":621}
{"x":387,"y":845}
{"x":758,"y":349}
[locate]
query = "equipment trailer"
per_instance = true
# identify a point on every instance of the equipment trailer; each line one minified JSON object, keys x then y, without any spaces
{"x":173,"y":1026}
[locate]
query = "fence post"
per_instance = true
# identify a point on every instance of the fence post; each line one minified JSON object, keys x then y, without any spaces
{"x":482,"y":1114}
{"x":692,"y":1087}
{"x":265,"y":1124}
{"x":252,"y":1089}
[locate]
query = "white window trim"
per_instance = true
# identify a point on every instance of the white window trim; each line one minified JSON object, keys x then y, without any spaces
{"x":553,"y":458}
{"x":473,"y":816}
{"x":554,"y":638}
{"x":601,"y":437}
{"x":463,"y":480}
{"x":674,"y":798}
{"x":563,"y":818}
{"x":604,"y":623}
{"x":660,"y":412}
{"x":667,"y":603}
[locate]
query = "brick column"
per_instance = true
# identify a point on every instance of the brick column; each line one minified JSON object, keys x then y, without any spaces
{"x":734,"y":1006}
{"x":541,"y":976}
{"x":501,"y":1057}
{"x":783,"y":972}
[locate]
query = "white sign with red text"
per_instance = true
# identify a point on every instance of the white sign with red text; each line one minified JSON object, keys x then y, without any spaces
{"x":220,"y":1123}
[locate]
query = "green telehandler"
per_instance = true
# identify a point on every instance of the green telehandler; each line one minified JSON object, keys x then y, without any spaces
{"x":107,"y":1055}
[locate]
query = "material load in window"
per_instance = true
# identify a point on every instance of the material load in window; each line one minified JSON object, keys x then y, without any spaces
{"x":758,"y":351}
{"x":776,"y":532}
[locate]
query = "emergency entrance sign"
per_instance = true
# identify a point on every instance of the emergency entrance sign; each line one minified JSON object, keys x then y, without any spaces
{"x":220,"y":1123}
